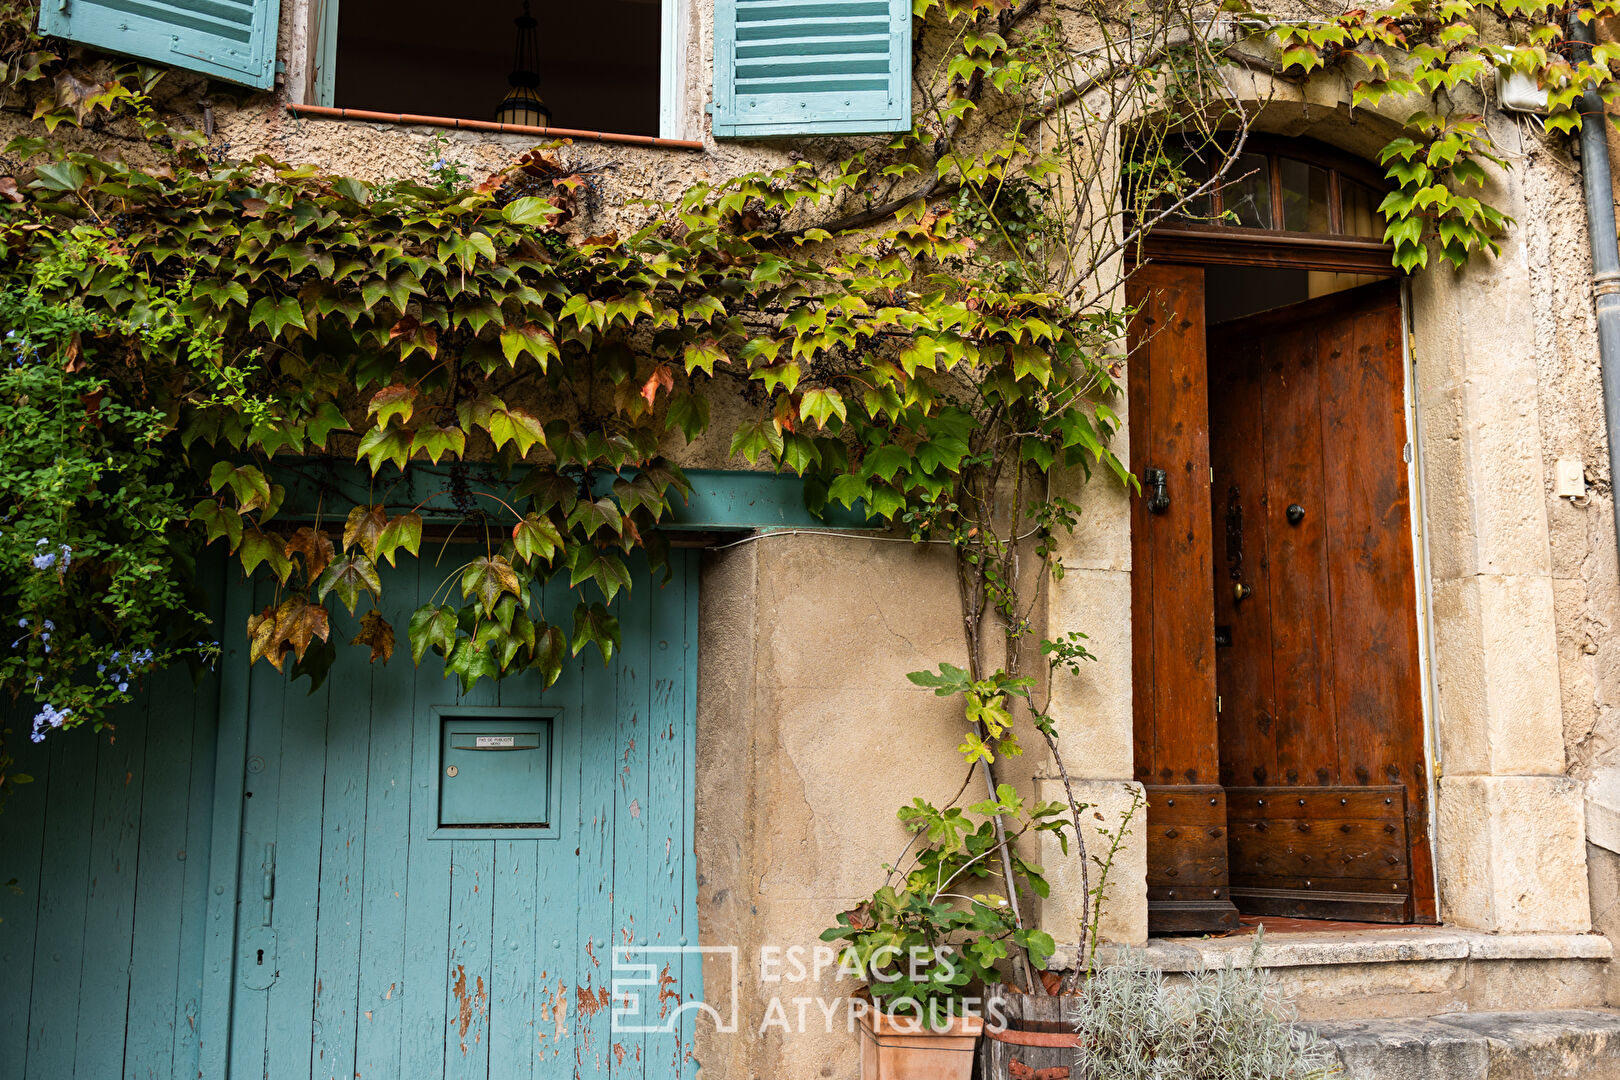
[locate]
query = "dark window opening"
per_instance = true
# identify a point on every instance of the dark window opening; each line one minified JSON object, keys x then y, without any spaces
{"x":1275,"y":185}
{"x":598,"y":63}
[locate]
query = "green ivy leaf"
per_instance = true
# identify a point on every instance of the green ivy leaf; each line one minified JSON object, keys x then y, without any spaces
{"x":536,"y":537}
{"x":594,"y":626}
{"x":486,"y":578}
{"x":347,"y":576}
{"x":432,"y":627}
{"x":405,"y":532}
{"x":530,"y":210}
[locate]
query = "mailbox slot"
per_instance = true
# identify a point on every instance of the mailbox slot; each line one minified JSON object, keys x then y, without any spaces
{"x":495,"y":772}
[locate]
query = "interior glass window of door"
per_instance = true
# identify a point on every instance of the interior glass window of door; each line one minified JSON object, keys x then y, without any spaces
{"x":1247,"y":196}
{"x":1359,"y":214}
{"x":1305,"y":202}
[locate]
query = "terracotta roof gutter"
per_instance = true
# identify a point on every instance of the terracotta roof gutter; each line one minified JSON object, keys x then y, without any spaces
{"x":323,"y":112}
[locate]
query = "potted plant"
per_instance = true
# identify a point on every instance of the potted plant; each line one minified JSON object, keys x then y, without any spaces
{"x":927,"y":943}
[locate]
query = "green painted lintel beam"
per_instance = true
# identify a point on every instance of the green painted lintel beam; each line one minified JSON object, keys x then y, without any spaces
{"x":722,"y":500}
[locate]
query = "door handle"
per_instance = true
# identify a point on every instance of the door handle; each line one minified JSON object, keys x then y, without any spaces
{"x":1158,"y":498}
{"x":1295,"y":513}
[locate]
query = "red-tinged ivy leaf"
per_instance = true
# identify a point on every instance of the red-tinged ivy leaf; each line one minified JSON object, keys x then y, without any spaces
{"x":346,"y":577}
{"x":261,"y":629}
{"x":378,"y":445}
{"x":391,"y":401}
{"x":327,"y":419}
{"x":247,"y":483}
{"x":821,"y":405}
{"x":275,"y":315}
{"x":378,"y":634}
{"x":531,"y":339}
{"x":469,"y":663}
{"x":592,"y":516}
{"x":487,"y":578}
{"x":405,"y":327}
{"x":298,"y":622}
{"x":432,"y":627}
{"x":703,"y":355}
{"x":405,"y":532}
{"x":550,"y":651}
{"x":752,"y":440}
{"x":536,"y":537}
{"x":515,"y":426}
{"x":588,"y":563}
{"x":641,"y":491}
{"x":661,"y":378}
{"x":314,"y":546}
{"x":257,"y":548}
{"x":594,"y":626}
{"x":437,"y":441}
{"x":364,"y":527}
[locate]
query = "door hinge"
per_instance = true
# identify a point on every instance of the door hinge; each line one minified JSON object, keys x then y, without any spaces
{"x":1217,"y":704}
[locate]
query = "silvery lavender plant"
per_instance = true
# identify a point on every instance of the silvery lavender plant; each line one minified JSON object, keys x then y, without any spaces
{"x":1227,"y":1024}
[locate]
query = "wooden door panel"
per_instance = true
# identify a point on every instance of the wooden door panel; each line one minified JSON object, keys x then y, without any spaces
{"x":1173,"y":624}
{"x":1243,"y":675}
{"x":1372,"y":575}
{"x":1302,"y":646}
{"x":1341,"y":586}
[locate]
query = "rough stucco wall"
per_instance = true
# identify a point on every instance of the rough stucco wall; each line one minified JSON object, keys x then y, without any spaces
{"x":811,"y":737}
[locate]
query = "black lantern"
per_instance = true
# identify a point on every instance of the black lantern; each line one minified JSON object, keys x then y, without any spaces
{"x":523,"y":104}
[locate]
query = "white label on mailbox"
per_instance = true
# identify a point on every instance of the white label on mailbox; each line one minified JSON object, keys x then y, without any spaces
{"x":497,"y":740}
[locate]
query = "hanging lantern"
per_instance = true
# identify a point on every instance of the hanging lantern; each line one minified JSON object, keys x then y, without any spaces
{"x":523,"y":104}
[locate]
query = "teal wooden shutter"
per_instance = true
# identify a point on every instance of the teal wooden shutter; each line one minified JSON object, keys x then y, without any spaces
{"x":233,"y":40}
{"x":811,"y":67}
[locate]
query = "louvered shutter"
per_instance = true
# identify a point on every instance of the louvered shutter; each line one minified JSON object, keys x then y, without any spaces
{"x":233,"y":40}
{"x":811,"y":67}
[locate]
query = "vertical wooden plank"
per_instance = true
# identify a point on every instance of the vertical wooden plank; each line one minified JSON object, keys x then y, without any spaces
{"x":558,"y":914}
{"x":110,"y":899}
{"x":662,"y":924}
{"x":635,"y":686}
{"x":215,"y":1040}
{"x":427,"y":875}
{"x":388,"y":838}
{"x":1302,"y":641}
{"x":1374,"y":609}
{"x":1243,"y":677}
{"x":290,"y":1005}
{"x":598,"y":796}
{"x":22,"y":842}
{"x":194,"y":921}
{"x":160,"y":898}
{"x":513,"y":1042}
{"x":63,"y":892}
{"x":255,"y":787}
{"x":692,"y":975}
{"x":472,"y":918}
{"x":1139,"y":382}
{"x":342,"y":860}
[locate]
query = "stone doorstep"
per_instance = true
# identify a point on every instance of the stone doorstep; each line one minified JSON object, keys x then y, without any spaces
{"x":1403,"y":944}
{"x":1553,"y":1045}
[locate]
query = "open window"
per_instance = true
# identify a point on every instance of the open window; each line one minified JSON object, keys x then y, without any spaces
{"x":582,"y":67}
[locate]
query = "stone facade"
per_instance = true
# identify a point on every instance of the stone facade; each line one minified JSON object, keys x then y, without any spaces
{"x":810,"y":735}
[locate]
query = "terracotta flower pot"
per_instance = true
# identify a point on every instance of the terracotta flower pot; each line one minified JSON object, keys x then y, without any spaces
{"x":905,"y":1048}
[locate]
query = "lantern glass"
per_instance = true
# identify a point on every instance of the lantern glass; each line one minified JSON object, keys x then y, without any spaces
{"x":523,"y":104}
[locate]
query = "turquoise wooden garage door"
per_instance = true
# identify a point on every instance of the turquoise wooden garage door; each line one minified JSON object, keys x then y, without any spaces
{"x":437,"y":884}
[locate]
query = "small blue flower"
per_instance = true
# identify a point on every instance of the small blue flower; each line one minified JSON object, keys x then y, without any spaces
{"x":49,"y":625}
{"x":45,"y":561}
{"x":123,"y":687}
{"x":41,"y":542}
{"x":22,"y":622}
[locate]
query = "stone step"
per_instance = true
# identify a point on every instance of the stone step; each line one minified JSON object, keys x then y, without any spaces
{"x":1555,"y":1045}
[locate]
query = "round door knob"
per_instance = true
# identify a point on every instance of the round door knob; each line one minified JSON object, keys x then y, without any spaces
{"x":1241,"y":591}
{"x":1296,"y":513}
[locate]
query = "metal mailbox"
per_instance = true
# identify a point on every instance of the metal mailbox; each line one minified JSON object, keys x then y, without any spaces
{"x":495,"y":772}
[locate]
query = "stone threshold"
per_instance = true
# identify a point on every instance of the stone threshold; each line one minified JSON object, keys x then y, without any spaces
{"x":1403,"y":944}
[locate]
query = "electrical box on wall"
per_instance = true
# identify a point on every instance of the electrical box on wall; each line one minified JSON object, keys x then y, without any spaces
{"x":1569,"y":479}
{"x":1518,"y":92}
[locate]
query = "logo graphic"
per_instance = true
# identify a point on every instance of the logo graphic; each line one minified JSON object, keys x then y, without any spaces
{"x":648,"y":981}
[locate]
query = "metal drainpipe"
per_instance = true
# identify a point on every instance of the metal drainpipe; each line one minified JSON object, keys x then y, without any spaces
{"x":1600,"y":227}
